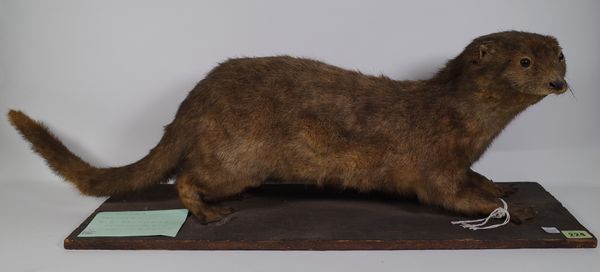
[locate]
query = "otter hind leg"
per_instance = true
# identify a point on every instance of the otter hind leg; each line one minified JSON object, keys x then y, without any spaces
{"x":192,"y":195}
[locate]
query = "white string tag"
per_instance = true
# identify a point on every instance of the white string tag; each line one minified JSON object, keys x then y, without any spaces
{"x":478,"y":224}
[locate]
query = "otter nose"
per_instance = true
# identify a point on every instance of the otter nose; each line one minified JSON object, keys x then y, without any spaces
{"x":557,"y":85}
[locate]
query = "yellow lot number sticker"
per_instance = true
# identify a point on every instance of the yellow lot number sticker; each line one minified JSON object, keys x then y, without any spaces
{"x":576,"y":234}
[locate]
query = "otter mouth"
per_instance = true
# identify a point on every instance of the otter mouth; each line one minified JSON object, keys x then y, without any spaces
{"x":561,"y":91}
{"x":546,"y":92}
{"x":551,"y":91}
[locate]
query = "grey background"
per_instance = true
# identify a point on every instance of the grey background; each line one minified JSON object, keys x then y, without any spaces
{"x":106,"y":76}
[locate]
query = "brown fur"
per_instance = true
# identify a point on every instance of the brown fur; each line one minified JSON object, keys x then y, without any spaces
{"x":292,"y":119}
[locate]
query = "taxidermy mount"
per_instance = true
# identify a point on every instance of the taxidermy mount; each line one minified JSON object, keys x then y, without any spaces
{"x":294,"y":119}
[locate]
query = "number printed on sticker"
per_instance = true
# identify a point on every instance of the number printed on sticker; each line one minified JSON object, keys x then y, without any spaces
{"x":576,"y":234}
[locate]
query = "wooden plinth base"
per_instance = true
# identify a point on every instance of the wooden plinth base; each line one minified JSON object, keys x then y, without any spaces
{"x":302,"y":217}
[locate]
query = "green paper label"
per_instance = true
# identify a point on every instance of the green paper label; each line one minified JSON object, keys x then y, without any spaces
{"x":135,"y":223}
{"x":576,"y":234}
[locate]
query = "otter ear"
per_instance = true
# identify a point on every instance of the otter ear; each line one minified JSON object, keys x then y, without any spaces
{"x":486,"y":50}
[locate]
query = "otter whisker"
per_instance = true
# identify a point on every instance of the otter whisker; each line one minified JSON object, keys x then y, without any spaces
{"x":571,"y":90}
{"x":572,"y":93}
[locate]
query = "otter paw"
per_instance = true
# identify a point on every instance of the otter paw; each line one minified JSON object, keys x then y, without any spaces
{"x":213,"y":214}
{"x":519,"y":214}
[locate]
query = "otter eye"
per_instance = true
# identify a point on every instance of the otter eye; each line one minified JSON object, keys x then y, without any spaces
{"x":525,"y":62}
{"x":561,"y":57}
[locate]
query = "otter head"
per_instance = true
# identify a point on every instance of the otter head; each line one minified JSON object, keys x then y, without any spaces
{"x":517,"y":61}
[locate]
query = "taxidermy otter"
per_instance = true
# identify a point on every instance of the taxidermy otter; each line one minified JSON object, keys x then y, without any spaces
{"x":293,"y":119}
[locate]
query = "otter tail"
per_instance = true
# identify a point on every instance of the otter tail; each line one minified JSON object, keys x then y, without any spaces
{"x":154,"y":168}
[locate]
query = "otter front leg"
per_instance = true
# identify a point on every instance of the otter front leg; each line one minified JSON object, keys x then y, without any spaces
{"x":458,"y":196}
{"x":191,"y":196}
{"x":487,"y":185}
